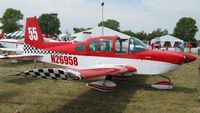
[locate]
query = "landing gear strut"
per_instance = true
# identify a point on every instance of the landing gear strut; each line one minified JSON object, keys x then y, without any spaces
{"x":108,"y":77}
{"x":169,"y":79}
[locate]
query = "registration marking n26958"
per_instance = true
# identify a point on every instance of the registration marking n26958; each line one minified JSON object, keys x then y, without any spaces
{"x":63,"y":59}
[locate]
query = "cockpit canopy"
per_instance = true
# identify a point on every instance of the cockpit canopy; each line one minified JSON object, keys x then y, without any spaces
{"x":137,"y":45}
{"x":112,"y":44}
{"x":130,"y":45}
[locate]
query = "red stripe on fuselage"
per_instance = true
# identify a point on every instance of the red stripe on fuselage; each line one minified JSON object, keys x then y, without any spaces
{"x":161,"y":56}
{"x":70,"y":48}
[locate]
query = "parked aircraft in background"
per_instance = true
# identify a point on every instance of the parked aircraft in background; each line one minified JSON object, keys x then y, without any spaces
{"x":15,"y":45}
{"x":107,"y":56}
{"x":12,"y":45}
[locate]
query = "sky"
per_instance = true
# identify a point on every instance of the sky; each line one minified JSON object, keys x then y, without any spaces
{"x":134,"y":15}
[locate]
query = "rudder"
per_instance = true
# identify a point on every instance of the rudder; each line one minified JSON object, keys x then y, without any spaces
{"x":33,"y":34}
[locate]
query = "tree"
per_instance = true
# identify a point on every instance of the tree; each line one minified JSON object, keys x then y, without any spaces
{"x":128,"y":32}
{"x":157,"y":33}
{"x":141,"y":35}
{"x":111,"y":23}
{"x":10,"y":20}
{"x":77,"y":30}
{"x":49,"y":24}
{"x":185,"y":29}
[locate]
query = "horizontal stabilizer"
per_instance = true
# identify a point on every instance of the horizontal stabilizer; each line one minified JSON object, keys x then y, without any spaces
{"x":52,"y":73}
{"x":11,"y":49}
{"x":19,"y":56}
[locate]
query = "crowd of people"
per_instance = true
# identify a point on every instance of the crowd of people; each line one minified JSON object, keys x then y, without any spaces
{"x":180,"y":47}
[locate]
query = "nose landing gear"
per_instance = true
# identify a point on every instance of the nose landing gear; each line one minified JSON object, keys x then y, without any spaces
{"x":163,"y":85}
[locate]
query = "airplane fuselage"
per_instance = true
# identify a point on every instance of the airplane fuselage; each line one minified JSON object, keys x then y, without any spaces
{"x":144,"y":67}
{"x":92,"y":54}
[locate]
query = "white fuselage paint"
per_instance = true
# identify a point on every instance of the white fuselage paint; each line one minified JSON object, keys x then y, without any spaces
{"x":144,"y":67}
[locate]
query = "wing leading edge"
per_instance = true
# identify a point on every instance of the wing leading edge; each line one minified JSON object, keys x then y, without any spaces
{"x":103,"y":71}
{"x":78,"y":74}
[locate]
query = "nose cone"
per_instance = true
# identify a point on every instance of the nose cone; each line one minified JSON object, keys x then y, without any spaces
{"x":188,"y":57}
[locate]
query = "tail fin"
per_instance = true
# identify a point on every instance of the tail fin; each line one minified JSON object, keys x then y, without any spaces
{"x":33,"y":34}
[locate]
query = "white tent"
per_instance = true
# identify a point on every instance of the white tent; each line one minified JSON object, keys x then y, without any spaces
{"x":167,"y":39}
{"x":16,"y":34}
{"x":95,"y":32}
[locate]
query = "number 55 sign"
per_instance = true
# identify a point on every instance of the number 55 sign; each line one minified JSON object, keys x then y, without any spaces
{"x":32,"y":33}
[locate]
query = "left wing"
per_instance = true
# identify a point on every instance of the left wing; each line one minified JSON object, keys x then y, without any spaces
{"x":105,"y":70}
{"x":78,"y":74}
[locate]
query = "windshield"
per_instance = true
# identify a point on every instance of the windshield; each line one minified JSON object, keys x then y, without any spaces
{"x":137,"y":45}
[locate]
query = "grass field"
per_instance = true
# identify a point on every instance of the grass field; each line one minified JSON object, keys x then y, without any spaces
{"x":133,"y":96}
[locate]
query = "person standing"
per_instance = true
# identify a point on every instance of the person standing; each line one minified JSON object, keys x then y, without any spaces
{"x":181,"y":47}
{"x":190,"y":47}
{"x":198,"y":50}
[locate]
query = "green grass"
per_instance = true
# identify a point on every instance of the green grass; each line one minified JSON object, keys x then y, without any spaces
{"x":132,"y":96}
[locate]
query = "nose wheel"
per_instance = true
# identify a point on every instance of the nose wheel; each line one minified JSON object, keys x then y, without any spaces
{"x":163,"y":85}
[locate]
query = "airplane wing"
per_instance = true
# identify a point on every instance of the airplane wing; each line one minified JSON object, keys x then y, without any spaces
{"x":10,"y":49}
{"x":78,"y":74}
{"x":19,"y":56}
{"x":107,"y":70}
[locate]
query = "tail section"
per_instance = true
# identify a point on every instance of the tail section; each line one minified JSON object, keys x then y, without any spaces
{"x":33,"y":34}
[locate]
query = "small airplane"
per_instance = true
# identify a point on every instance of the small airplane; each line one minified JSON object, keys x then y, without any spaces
{"x":108,"y":56}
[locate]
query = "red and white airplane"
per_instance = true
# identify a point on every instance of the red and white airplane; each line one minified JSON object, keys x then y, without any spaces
{"x":107,"y":56}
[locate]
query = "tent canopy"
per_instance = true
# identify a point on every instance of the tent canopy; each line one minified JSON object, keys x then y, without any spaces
{"x":167,"y":39}
{"x":95,"y":32}
{"x":16,"y":34}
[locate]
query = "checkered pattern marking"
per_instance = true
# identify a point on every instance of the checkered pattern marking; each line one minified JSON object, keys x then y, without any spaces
{"x":31,"y":49}
{"x":53,"y":73}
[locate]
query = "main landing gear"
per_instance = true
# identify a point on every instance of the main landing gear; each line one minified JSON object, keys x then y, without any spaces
{"x":103,"y":85}
{"x":163,"y":85}
{"x":108,"y":85}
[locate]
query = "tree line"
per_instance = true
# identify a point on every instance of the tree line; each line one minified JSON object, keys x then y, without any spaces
{"x":185,"y":28}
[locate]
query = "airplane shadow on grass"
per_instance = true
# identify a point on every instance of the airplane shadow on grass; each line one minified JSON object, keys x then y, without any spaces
{"x":184,"y":89}
{"x":114,"y":102}
{"x":6,"y":96}
{"x":20,"y":80}
{"x":177,"y":89}
{"x":100,"y":102}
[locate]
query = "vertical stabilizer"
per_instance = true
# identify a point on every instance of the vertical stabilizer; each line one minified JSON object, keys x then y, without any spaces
{"x":33,"y":34}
